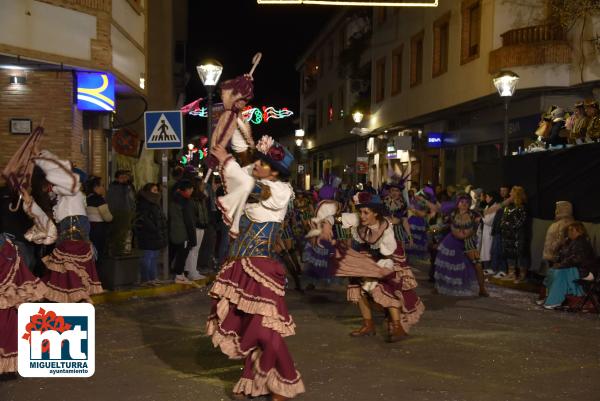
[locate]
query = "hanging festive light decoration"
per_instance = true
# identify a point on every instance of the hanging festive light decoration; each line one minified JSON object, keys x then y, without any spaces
{"x":252,"y":114}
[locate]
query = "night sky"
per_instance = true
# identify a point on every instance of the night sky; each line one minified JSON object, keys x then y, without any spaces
{"x":232,"y":31}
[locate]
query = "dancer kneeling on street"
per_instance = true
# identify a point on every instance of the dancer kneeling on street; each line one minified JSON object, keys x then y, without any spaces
{"x":378,"y":269}
{"x":249,"y":317}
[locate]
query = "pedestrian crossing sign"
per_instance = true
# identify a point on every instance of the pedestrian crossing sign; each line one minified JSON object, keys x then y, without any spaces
{"x":163,"y":129}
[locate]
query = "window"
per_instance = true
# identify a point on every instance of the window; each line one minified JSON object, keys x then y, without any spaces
{"x":441,"y":33}
{"x":342,"y":102}
{"x":330,"y":108}
{"x":471,"y":30}
{"x":321,"y":63}
{"x":380,"y":14}
{"x":416,"y":59}
{"x":342,"y":38}
{"x":330,"y":55}
{"x":380,"y":80}
{"x":320,"y":114}
{"x":397,"y":70}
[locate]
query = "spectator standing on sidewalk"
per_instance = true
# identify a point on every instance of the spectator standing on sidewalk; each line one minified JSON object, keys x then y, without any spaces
{"x":515,"y":243}
{"x":182,"y":228}
{"x":151,"y":232}
{"x":121,"y":202}
{"x":198,"y":201}
{"x":98,"y":214}
{"x":222,"y":228}
{"x":487,"y":239}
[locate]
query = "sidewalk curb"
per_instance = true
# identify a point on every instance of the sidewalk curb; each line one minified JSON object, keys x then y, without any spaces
{"x":119,"y":296}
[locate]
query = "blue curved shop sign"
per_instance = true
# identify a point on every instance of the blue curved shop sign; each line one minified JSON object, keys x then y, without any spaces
{"x":95,"y":91}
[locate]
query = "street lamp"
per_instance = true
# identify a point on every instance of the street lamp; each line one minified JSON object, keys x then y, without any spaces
{"x":506,"y":84}
{"x":209,"y":73}
{"x":357,"y":116}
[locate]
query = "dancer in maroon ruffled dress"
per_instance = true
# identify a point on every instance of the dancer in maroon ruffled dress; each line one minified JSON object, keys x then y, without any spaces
{"x":249,"y":317}
{"x":17,"y":286}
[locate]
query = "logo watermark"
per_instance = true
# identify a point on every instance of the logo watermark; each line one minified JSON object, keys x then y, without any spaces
{"x":57,"y":340}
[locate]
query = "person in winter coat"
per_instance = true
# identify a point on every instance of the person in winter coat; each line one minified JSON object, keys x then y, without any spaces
{"x":121,"y":202}
{"x":515,"y":243}
{"x":198,"y":201}
{"x":489,"y":214}
{"x":98,"y":214}
{"x":576,"y":260}
{"x":557,"y":234}
{"x":150,"y":227}
{"x":182,"y":228}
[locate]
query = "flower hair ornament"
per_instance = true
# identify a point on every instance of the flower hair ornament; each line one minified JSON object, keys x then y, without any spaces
{"x":264,"y":144}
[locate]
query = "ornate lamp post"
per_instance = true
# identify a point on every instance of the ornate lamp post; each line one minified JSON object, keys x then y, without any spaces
{"x":506,"y":84}
{"x":357,"y":117}
{"x":209,"y":73}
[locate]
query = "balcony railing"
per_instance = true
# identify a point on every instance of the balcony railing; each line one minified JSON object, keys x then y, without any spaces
{"x":533,"y":34}
{"x":532,"y":45}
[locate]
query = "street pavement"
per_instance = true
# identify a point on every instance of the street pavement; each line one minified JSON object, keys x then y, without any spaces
{"x":477,"y":349}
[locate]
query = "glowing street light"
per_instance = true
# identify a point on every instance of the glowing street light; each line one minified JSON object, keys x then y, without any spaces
{"x":357,"y":116}
{"x":506,"y":84}
{"x":209,"y":73}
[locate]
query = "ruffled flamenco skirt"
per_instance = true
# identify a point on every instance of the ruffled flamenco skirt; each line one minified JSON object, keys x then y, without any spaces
{"x":249,"y":319}
{"x":388,"y":288}
{"x":71,"y":274}
{"x":17,"y":286}
{"x":454,"y":272}
{"x":418,"y":229}
{"x":316,"y":259}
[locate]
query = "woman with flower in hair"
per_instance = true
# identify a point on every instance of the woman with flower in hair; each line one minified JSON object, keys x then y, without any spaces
{"x":376,"y":265}
{"x":249,"y":317}
{"x":458,"y":271}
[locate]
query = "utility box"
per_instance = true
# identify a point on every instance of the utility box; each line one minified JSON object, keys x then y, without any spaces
{"x":119,"y":271}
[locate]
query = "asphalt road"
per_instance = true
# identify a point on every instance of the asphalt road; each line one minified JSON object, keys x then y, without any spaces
{"x":499,"y":348}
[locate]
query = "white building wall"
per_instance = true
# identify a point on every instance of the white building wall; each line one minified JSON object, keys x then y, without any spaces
{"x":127,"y":59}
{"x":42,"y":27}
{"x":128,"y":19}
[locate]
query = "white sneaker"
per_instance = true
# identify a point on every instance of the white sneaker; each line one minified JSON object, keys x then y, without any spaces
{"x":488,"y":272}
{"x":194,"y":275}
{"x":551,"y":307}
{"x":500,"y":275}
{"x":540,"y":302}
{"x":181,"y":279}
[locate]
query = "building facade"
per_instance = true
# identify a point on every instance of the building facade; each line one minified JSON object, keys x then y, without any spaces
{"x":335,"y":81}
{"x":48,"y":42}
{"x":431,"y":81}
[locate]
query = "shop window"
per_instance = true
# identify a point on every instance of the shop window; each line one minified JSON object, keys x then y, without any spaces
{"x":441,"y":39}
{"x":416,"y":59}
{"x":330,"y":108}
{"x":397,"y":70}
{"x":380,"y":80}
{"x":471,"y":30}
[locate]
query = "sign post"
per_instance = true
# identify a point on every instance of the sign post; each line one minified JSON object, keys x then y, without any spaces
{"x":163,"y":130}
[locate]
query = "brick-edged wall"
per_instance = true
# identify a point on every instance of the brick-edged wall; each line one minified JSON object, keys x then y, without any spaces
{"x":530,"y":54}
{"x":47,"y":95}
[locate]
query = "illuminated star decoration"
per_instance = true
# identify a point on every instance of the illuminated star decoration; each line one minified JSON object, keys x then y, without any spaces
{"x":250,"y":113}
